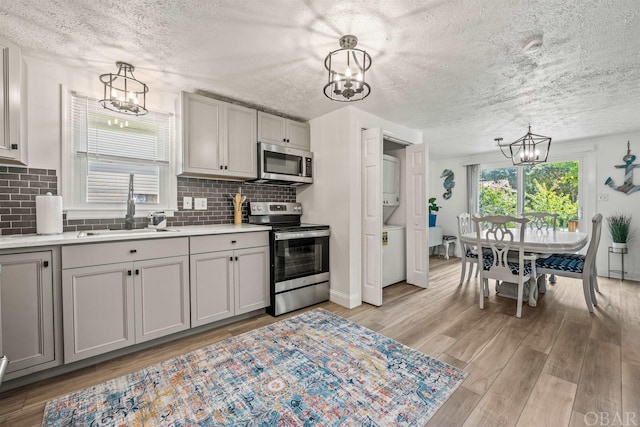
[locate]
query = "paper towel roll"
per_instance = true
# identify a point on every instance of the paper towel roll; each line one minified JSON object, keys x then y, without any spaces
{"x":48,"y":214}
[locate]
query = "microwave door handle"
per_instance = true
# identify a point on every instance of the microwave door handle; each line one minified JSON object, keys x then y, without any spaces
{"x":301,"y":166}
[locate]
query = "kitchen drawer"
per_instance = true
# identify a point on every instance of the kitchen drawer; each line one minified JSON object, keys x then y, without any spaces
{"x":224,"y":242}
{"x":114,"y":252}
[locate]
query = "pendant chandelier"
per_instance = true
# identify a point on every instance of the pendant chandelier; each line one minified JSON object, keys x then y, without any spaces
{"x":531,"y":149}
{"x":123,"y":93}
{"x":347,"y":67}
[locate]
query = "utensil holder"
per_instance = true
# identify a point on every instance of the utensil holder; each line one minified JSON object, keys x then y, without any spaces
{"x":237,"y":216}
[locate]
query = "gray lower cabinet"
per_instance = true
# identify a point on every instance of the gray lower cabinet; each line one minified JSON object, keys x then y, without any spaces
{"x":98,"y":310}
{"x":211,"y":287}
{"x":229,"y":275}
{"x":138,"y":292}
{"x":27,"y":328}
{"x":251,"y":279}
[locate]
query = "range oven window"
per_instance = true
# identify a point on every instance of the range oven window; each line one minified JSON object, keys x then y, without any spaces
{"x":296,"y":258}
{"x":284,"y":164}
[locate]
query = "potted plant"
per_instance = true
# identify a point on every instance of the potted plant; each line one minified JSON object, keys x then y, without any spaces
{"x":619,"y":229}
{"x":433,"y":207}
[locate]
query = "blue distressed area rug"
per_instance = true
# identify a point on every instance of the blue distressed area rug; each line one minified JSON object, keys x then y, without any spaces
{"x":314,"y":369}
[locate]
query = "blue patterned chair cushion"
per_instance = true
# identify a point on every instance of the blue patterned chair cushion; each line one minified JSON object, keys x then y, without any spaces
{"x":474,"y":254}
{"x":573,"y":263}
{"x":513,"y":266}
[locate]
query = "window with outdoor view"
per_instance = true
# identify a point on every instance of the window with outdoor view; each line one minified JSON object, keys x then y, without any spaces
{"x":546,"y":187}
{"x":498,"y":191}
{"x":552,"y":187}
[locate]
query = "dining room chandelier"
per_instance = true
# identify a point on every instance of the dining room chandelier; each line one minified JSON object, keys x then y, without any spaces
{"x":531,"y":149}
{"x":123,"y":93}
{"x":347,"y":67}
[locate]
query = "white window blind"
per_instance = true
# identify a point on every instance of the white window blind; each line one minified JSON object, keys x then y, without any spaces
{"x":108,"y":147}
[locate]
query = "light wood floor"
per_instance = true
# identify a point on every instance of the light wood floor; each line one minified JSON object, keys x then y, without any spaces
{"x":553,"y":367}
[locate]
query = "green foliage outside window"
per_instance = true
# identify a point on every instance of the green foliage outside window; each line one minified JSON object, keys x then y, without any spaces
{"x":546,"y":199}
{"x":549,"y":187}
{"x":553,"y":187}
{"x":497,"y":201}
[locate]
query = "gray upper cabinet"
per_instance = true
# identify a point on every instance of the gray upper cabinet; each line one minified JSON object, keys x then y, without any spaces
{"x":218,"y":138}
{"x":27,"y":329}
{"x":281,"y":131}
{"x":12,"y":125}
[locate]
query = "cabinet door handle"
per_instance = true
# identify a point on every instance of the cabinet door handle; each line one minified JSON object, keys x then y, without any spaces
{"x":226,"y":167}
{"x":221,"y":167}
{"x":46,"y":263}
{"x":128,"y":272}
{"x":236,"y":258}
{"x":231,"y":258}
{"x":14,"y":146}
{"x":133,"y":251}
{"x":137,"y":272}
{"x":233,"y":241}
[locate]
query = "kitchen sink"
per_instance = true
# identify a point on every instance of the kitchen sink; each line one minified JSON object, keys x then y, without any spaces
{"x":134,"y":232}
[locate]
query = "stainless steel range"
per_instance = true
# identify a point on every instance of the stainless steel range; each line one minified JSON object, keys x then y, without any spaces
{"x":299,"y":256}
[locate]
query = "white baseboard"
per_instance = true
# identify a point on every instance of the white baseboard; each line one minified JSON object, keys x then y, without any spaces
{"x":348,"y":301}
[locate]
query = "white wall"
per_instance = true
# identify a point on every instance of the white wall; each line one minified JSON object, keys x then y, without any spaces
{"x":327,"y":200}
{"x":335,"y":196}
{"x":454,"y":206}
{"x":599,"y":155}
{"x":609,"y":152}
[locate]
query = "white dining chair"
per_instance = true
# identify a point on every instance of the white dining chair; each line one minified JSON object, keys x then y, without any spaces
{"x":578,"y":266}
{"x":541,"y":220}
{"x":469,"y":252}
{"x":496,"y":260}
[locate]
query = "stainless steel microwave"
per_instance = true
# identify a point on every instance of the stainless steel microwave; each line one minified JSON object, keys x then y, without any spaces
{"x":283,"y":165}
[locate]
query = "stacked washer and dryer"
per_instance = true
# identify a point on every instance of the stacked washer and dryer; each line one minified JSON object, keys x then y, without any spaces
{"x":393,"y":236}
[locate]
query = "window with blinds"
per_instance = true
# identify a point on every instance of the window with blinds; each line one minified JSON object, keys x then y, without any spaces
{"x":107,"y":147}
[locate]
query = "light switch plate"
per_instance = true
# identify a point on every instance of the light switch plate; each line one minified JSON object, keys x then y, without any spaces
{"x":187,"y":203}
{"x":201,"y":203}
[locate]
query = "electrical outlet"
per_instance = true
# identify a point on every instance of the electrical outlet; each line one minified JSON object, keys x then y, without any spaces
{"x":603,"y":197}
{"x":187,"y":203}
{"x":201,"y":203}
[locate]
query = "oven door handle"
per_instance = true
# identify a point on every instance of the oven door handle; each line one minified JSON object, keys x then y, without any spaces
{"x":288,"y":235}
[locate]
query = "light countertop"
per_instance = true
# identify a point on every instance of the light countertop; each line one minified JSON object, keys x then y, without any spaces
{"x":72,"y":237}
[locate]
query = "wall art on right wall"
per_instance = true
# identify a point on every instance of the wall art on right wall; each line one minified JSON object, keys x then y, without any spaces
{"x":627,"y":187}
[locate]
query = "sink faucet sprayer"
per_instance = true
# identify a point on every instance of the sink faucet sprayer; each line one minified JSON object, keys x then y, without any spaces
{"x":131,"y":206}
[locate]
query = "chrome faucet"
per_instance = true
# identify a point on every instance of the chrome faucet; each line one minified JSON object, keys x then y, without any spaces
{"x":131,"y":206}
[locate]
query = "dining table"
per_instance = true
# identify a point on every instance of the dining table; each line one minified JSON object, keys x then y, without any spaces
{"x":541,"y":243}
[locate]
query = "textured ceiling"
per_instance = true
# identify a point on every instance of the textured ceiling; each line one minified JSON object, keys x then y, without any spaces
{"x":453,"y":69}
